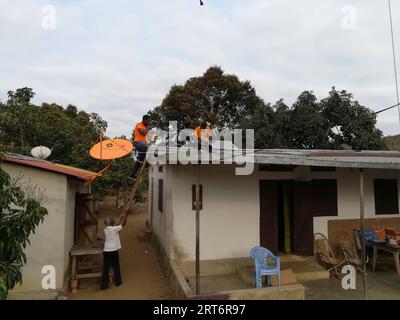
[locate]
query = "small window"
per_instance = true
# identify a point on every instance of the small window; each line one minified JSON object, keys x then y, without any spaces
{"x":160,"y":169}
{"x":160,"y":195}
{"x":386,"y":196}
{"x":194,"y":197}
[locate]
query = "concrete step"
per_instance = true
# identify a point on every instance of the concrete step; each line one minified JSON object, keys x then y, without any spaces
{"x":246,"y":273}
{"x":303,"y":270}
{"x":306,"y":270}
{"x":293,"y":258}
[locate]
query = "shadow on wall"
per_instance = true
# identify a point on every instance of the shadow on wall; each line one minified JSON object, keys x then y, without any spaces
{"x":179,"y":253}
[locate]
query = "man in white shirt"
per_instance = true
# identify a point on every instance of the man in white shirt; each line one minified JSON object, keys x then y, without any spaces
{"x":112,"y":244}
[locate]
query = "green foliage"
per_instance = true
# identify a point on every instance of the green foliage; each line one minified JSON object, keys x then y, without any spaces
{"x":143,"y":187}
{"x":68,"y":132}
{"x":393,"y":142}
{"x":219,"y":98}
{"x":349,"y":123}
{"x":336,"y":122}
{"x":20,"y":214}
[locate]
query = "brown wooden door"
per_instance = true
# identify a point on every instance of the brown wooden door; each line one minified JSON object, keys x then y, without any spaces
{"x":86,"y":218}
{"x":269,"y":215}
{"x":302,"y":219}
{"x":311,"y":199}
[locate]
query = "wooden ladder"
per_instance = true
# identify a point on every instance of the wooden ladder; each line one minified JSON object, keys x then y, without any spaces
{"x":128,"y":204}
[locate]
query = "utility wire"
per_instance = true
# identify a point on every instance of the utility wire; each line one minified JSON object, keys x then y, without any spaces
{"x":388,"y":108}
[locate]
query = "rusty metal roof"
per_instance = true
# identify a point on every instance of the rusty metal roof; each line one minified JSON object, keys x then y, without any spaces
{"x":49,"y":166}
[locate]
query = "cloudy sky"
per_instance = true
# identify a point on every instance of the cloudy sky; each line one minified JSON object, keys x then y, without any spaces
{"x":119,"y":58}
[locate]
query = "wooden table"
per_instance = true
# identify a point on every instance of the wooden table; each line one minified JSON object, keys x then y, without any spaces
{"x":384,"y":247}
{"x":83,"y":250}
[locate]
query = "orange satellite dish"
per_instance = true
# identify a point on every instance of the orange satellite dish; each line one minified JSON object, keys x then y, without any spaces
{"x":111,"y":149}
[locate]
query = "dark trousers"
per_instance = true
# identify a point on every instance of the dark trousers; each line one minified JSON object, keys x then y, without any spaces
{"x":141,"y":147}
{"x":111,"y":259}
{"x":200,"y":145}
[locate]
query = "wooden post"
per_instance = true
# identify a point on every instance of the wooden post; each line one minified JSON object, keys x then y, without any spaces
{"x":74,"y":280}
{"x":101,"y":145}
{"x":198,"y":231}
{"x":362,"y":227}
{"x":286,"y":213}
{"x":77,"y":218}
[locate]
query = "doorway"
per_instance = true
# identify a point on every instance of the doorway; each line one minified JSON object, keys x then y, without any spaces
{"x":275,"y":215}
{"x":287,"y":211}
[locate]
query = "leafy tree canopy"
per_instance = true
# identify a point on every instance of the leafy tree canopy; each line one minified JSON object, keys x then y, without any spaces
{"x":219,"y":98}
{"x":68,"y":132}
{"x":335,"y":122}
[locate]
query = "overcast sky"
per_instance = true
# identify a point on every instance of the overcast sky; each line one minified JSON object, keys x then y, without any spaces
{"x":119,"y":58}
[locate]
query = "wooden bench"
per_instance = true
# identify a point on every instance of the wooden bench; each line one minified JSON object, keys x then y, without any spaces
{"x":84,"y":251}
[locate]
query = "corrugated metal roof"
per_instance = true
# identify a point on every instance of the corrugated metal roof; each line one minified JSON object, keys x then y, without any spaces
{"x":322,"y":158}
{"x":49,"y":166}
{"x":331,"y":158}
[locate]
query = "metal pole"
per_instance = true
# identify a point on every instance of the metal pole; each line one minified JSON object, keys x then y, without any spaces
{"x":394,"y":58}
{"x":363,"y":252}
{"x":198,"y":231}
{"x":101,"y":145}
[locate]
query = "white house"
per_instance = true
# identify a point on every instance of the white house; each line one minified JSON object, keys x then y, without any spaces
{"x":240,"y":212}
{"x":53,"y":239}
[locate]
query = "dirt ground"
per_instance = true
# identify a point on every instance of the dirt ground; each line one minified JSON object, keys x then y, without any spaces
{"x":142,"y":277}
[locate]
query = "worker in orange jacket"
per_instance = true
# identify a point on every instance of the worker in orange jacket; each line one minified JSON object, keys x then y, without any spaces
{"x":141,"y":145}
{"x":202,"y":134}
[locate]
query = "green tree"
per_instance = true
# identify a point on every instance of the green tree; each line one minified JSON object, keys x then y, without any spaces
{"x":15,"y":118}
{"x":20,"y":214}
{"x":349,"y":123}
{"x":281,"y":125}
{"x":336,"y":122}
{"x":307,"y":126}
{"x":68,"y":132}
{"x":219,"y":98}
{"x":263,"y":124}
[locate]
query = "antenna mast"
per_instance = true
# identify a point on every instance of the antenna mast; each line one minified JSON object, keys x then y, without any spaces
{"x":394,"y":59}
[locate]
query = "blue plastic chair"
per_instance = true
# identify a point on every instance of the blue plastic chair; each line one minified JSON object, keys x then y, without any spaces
{"x":260,"y":256}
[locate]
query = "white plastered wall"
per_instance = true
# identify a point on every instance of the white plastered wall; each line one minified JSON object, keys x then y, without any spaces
{"x":53,"y":239}
{"x":348,"y":181}
{"x":231,"y":213}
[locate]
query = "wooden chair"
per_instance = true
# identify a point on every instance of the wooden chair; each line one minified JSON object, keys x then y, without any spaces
{"x":325,"y":253}
{"x":349,"y":250}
